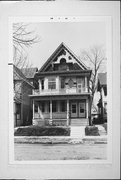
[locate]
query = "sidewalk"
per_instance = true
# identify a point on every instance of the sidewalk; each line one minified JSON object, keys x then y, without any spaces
{"x":60,"y":139}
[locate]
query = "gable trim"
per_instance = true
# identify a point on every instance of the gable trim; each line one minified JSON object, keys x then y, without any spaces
{"x":56,"y":52}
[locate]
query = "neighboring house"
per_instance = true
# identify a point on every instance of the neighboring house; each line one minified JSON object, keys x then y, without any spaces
{"x":22,"y":106}
{"x":29,"y":74}
{"x":99,"y":107}
{"x":63,"y":96}
{"x":102,"y":88}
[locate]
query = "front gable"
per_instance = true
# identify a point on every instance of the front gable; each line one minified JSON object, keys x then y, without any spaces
{"x":63,"y":59}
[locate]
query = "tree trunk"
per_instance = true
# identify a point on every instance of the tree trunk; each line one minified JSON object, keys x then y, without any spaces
{"x":90,"y":117}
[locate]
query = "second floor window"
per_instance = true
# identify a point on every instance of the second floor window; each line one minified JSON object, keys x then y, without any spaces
{"x":52,"y":83}
{"x":62,"y":83}
{"x":42,"y":83}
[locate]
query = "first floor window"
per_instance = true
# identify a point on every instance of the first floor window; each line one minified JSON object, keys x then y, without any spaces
{"x":52,"y":83}
{"x":48,"y":106}
{"x":54,"y":106}
{"x":43,"y":106}
{"x":63,"y":106}
{"x":73,"y":108}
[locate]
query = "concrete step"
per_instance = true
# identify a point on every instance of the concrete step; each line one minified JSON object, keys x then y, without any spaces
{"x":101,"y":129}
{"x":79,"y":122}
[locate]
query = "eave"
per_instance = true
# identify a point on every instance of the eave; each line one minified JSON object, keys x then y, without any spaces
{"x":65,"y":73}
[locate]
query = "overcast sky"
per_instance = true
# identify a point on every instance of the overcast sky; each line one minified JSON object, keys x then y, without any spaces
{"x":76,"y":35}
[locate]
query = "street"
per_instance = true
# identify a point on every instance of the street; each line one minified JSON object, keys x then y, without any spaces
{"x":60,"y":151}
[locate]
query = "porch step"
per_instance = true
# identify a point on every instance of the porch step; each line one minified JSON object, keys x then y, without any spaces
{"x":79,"y":122}
{"x":77,"y":131}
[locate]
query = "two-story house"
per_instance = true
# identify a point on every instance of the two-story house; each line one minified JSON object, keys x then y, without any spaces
{"x":63,"y":96}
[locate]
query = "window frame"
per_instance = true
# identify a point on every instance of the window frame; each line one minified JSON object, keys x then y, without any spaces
{"x":52,"y":83}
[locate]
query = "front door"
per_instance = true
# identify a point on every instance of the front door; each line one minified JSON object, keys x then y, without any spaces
{"x":73,"y":109}
{"x":82,"y":109}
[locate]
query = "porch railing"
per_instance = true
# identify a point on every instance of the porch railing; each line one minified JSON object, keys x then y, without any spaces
{"x":59,"y":91}
{"x":55,"y":115}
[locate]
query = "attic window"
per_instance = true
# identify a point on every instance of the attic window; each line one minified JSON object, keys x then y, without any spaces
{"x":63,"y":61}
{"x":63,"y":65}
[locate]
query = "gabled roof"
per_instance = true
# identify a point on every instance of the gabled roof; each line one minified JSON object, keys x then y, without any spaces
{"x":55,"y":54}
{"x":102,"y":78}
{"x":18,"y":75}
{"x":29,"y":72}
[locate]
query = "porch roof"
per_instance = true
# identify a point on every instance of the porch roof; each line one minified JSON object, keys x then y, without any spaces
{"x":60,"y":96}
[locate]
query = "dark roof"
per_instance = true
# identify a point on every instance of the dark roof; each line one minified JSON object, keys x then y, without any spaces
{"x":29,"y":72}
{"x":18,"y":75}
{"x":102,"y":78}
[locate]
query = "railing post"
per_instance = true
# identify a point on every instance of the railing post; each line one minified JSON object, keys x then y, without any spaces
{"x":67,"y":112}
{"x":50,"y":121}
{"x":33,"y":108}
{"x":86,"y":84}
{"x":50,"y":109}
{"x":87,"y":108}
{"x":40,"y":85}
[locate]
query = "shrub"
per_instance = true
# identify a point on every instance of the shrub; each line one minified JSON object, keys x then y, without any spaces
{"x":97,"y":120}
{"x":42,"y":131}
{"x":91,"y":131}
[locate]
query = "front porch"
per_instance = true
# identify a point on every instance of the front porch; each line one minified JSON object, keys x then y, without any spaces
{"x":69,"y":112}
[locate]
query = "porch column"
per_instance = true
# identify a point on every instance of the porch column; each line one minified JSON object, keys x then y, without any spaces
{"x":87,"y":109}
{"x":39,"y":108}
{"x":86,"y":84}
{"x":67,"y":112}
{"x":33,"y":108}
{"x":50,"y":109}
{"x":40,"y":86}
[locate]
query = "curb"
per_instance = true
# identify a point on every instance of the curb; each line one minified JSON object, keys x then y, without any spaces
{"x":59,"y":140}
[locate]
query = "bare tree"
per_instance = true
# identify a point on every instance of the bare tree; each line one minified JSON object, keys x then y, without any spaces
{"x":23,"y":38}
{"x":95,"y":59}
